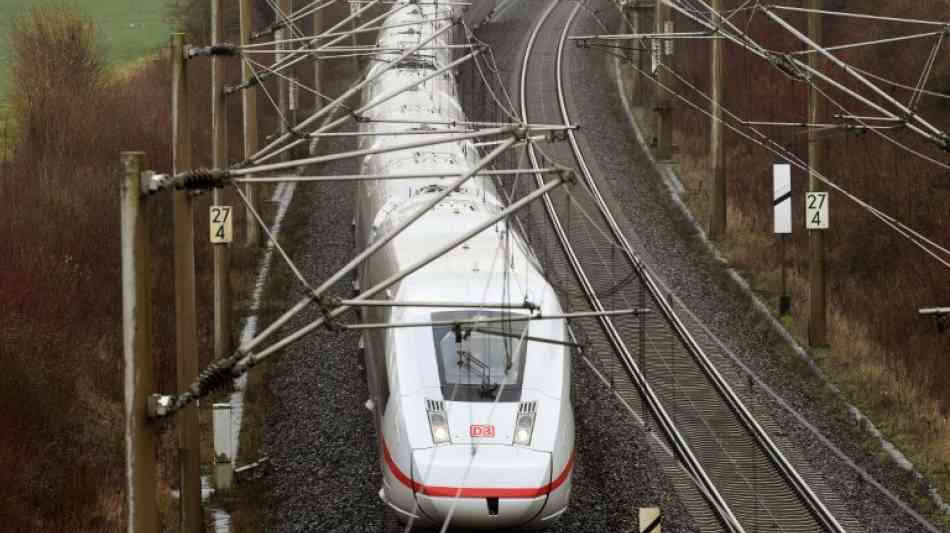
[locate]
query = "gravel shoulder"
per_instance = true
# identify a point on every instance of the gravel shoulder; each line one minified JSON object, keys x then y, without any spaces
{"x":319,"y":436}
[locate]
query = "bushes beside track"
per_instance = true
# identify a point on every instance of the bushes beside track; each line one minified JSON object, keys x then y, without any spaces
{"x":62,"y":462}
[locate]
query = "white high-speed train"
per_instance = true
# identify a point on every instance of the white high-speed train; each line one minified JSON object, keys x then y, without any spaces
{"x":472,"y":421}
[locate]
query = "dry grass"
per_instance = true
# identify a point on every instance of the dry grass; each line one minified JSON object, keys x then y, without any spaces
{"x":61,"y":455}
{"x":899,"y":400}
{"x":888,"y":361}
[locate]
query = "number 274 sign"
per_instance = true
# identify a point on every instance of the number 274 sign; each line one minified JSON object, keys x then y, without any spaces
{"x":816,"y":210}
{"x":221,"y":226}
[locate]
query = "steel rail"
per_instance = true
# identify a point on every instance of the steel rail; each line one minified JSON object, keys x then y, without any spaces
{"x":775,"y":455}
{"x":679,"y":444}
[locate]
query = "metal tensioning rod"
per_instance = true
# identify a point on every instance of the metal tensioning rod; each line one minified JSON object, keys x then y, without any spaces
{"x":546,"y":340}
{"x":198,"y":179}
{"x":224,"y":370}
{"x":252,"y":359}
{"x":375,"y":177}
{"x":295,"y":56}
{"x":629,"y":36}
{"x":428,"y":141}
{"x":850,"y":70}
{"x":337,"y":51}
{"x":471,"y":305}
{"x":215,"y":371}
{"x":804,"y":70}
{"x":207,"y":179}
{"x":512,"y":318}
{"x":348,"y":93}
{"x":333,"y":33}
{"x":357,"y":114}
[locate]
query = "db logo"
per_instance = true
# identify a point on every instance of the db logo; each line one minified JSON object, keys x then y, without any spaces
{"x":479,"y":430}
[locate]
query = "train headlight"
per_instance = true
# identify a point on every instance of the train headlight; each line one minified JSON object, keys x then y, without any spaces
{"x":440,"y":427}
{"x":524,"y":428}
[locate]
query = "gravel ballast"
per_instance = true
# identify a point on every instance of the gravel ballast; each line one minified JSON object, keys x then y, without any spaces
{"x":324,"y":474}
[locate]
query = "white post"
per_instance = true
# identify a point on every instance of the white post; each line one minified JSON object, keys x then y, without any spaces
{"x":650,"y":519}
{"x":223,"y":447}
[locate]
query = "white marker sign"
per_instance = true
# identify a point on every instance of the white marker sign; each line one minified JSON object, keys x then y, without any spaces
{"x":650,"y":519}
{"x":655,"y":56}
{"x":668,"y":48}
{"x":293,"y":93}
{"x":223,"y":446}
{"x":222,"y":228}
{"x":782,"y":197}
{"x":816,"y":210}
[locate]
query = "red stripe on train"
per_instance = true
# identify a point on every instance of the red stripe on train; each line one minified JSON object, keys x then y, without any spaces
{"x":479,"y":492}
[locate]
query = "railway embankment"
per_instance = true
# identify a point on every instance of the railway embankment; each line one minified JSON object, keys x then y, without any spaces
{"x":819,"y":394}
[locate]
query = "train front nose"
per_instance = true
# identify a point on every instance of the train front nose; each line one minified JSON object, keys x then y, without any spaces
{"x":498,"y":487}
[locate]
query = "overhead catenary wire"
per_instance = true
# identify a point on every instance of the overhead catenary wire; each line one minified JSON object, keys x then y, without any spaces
{"x":385,"y":177}
{"x":299,"y":14}
{"x":893,"y":83}
{"x":935,"y":134}
{"x":222,"y":371}
{"x":243,"y":359}
{"x":272,"y":238}
{"x":927,"y":245}
{"x":357,"y":115}
{"x":274,"y":146}
{"x":295,"y":56}
{"x":292,"y":80}
{"x":267,"y":94}
{"x":323,"y":35}
{"x":864,"y":44}
{"x":797,"y":69}
{"x":944,"y":24}
{"x":927,"y":71}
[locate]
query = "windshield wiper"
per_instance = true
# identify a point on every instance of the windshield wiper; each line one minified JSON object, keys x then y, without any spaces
{"x":468,"y":358}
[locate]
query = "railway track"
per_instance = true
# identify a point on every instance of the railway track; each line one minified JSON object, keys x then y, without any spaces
{"x":734,"y":470}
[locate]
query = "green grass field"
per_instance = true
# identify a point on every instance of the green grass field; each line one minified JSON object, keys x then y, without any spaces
{"x":128,"y":29}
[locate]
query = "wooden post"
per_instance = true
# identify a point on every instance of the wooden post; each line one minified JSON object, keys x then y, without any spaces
{"x":219,"y":155}
{"x":717,"y":208}
{"x":664,"y":104}
{"x":317,"y":64}
{"x":354,"y":38}
{"x":249,"y":117}
{"x":141,"y":439}
{"x":283,"y":86}
{"x":186,"y":331}
{"x":817,"y":319}
{"x":632,"y":15}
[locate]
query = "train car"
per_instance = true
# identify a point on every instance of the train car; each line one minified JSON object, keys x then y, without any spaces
{"x":474,"y":422}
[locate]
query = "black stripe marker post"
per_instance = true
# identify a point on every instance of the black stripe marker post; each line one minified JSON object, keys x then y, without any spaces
{"x":782,"y":204}
{"x":650,"y":519}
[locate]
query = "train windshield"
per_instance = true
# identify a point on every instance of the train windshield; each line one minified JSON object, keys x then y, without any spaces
{"x":479,"y":362}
